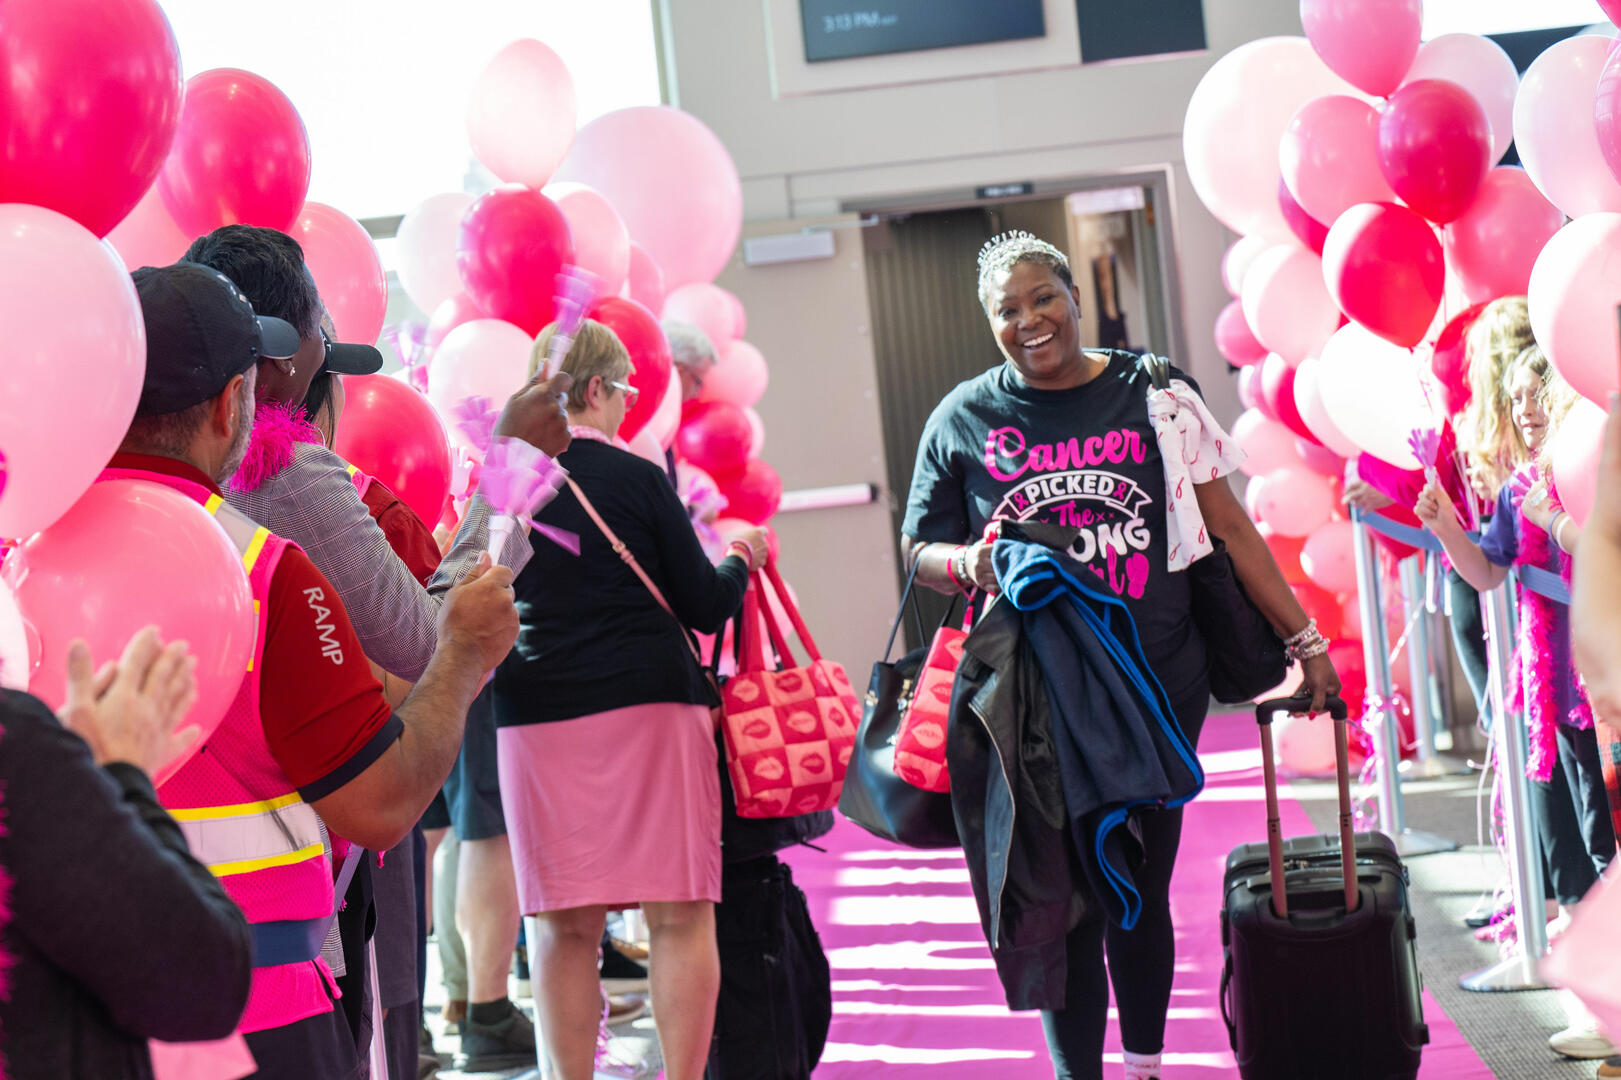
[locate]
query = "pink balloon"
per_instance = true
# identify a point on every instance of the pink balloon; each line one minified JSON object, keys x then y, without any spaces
{"x":754,"y":493}
{"x":1575,"y":451}
{"x":1304,"y":747}
{"x":1319,"y":458}
{"x":1494,"y":245}
{"x":149,"y":236}
{"x":646,"y":447}
{"x":241,"y":155}
{"x":1480,"y":66}
{"x":1295,"y":501}
{"x":1249,"y":390}
{"x":485,"y":357}
{"x":1329,"y":157}
{"x":1611,"y":9}
{"x":667,"y":420}
{"x":520,"y":118}
{"x":1329,"y":557}
{"x":1286,"y":303}
{"x":1236,"y":262}
{"x":1267,"y":444}
{"x":17,"y":658}
{"x":513,"y":243}
{"x":757,"y":443}
{"x":1554,"y":129}
{"x":708,"y":307}
{"x":1307,"y":229}
{"x":645,"y":281}
{"x":1278,"y":387}
{"x":1575,"y":286}
{"x":1235,"y":120}
{"x":1435,"y":147}
{"x":715,"y":436}
{"x":173,"y":567}
{"x":672,"y":182}
{"x":459,"y":309}
{"x":1369,"y":43}
{"x":72,"y":361}
{"x":740,"y":376}
{"x":1377,"y":394}
{"x":1314,"y":414}
{"x":601,"y":244}
{"x":347,"y":271}
{"x":1234,"y":340}
{"x":92,"y":97}
{"x":1351,"y":618}
{"x":1607,"y":113}
{"x":740,"y":317}
{"x":1384,"y":268}
{"x":425,"y":249}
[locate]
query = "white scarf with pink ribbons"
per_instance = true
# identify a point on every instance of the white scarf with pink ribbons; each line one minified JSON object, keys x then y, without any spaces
{"x":1195,"y":450}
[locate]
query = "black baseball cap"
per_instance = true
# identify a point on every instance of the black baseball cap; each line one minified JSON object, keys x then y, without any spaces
{"x":347,"y":359}
{"x":201,"y":333}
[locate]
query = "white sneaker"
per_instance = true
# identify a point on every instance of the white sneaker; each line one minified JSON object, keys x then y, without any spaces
{"x":1582,"y":1039}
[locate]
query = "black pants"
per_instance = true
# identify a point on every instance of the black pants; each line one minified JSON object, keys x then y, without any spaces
{"x":1141,"y":961}
{"x":1573,"y":817}
{"x":318,"y":1048}
{"x":1469,"y":637}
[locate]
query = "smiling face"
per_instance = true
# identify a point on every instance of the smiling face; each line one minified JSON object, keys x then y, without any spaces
{"x":1525,"y":398}
{"x":1037,"y":322}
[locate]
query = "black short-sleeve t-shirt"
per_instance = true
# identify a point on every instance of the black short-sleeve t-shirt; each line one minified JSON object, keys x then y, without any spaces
{"x":997,"y":449}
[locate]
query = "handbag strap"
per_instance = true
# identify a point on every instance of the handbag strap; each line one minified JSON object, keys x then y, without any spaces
{"x":908,"y":597}
{"x":1159,"y":370}
{"x":791,"y":609}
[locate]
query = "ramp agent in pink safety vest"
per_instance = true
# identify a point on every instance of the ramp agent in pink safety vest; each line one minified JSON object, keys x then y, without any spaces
{"x":244,"y":819}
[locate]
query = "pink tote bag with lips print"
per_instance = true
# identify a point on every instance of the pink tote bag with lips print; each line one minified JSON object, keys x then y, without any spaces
{"x":920,"y":742}
{"x":789,"y":731}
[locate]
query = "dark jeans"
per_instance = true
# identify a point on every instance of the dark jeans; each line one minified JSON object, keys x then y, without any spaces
{"x":320,"y":1046}
{"x":776,"y":996}
{"x":1573,"y":818}
{"x":1469,"y":638}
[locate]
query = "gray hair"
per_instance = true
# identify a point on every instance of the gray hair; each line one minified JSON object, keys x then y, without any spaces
{"x":690,"y":347}
{"x":1002,"y":253}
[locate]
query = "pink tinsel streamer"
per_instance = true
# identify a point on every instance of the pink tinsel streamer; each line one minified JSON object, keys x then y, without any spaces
{"x":517,"y":480}
{"x":277,"y":431}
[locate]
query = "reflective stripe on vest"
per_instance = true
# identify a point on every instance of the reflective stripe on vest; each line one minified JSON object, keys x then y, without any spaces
{"x":251,"y":546}
{"x":252,"y":836}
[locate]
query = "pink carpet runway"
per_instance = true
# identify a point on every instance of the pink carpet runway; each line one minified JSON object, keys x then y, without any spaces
{"x":914,"y":992}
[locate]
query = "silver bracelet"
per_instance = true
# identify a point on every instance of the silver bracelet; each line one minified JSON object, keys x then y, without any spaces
{"x":1310,"y":650}
{"x":1554,"y":526}
{"x":1311,"y":628}
{"x":960,"y":556}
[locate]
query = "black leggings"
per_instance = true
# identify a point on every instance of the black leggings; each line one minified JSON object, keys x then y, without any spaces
{"x":1141,"y":961}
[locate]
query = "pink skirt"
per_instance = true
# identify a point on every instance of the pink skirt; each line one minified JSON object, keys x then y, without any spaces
{"x":613,"y":809}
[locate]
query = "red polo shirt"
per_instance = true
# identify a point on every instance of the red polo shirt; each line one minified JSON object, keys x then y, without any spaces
{"x":411,"y":540}
{"x":323,"y":713}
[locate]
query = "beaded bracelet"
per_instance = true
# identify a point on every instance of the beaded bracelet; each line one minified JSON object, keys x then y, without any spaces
{"x":951,"y":566}
{"x":743,"y":551}
{"x":1302,"y":636}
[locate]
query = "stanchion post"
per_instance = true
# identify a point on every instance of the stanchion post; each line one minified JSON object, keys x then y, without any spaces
{"x":1423,"y":646}
{"x":1517,"y":971}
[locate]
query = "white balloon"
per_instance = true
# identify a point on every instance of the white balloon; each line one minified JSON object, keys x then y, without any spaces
{"x":1377,"y":394}
{"x":425,"y":249}
{"x":1309,"y":403}
{"x":15,"y":665}
{"x":1554,"y":129}
{"x":1286,"y":302}
{"x":486,"y":357}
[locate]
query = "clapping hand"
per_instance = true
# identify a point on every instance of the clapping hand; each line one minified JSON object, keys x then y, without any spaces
{"x":128,"y":710}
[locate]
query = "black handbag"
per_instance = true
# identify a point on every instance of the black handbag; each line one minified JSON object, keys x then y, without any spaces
{"x":1246,"y":656}
{"x":874,"y":797}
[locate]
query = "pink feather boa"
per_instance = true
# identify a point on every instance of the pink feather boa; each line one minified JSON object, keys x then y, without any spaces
{"x":1534,"y":684}
{"x":277,"y":430}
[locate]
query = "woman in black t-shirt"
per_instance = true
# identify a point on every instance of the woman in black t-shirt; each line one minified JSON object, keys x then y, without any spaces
{"x":1061,"y":434}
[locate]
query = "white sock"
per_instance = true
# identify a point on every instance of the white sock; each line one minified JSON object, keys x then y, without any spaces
{"x":1141,"y":1066}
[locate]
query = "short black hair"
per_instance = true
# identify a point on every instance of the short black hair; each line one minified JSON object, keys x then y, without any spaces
{"x":269,"y":267}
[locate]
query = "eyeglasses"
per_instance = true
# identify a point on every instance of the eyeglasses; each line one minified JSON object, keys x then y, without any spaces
{"x":631,"y":393}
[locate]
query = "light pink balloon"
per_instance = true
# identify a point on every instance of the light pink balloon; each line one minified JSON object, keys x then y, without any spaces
{"x":1369,"y":43}
{"x":1314,"y":414}
{"x":1377,"y":394}
{"x":425,"y":249}
{"x":1304,"y":747}
{"x":1235,"y":119}
{"x":667,"y":420}
{"x":485,"y":357}
{"x":1234,"y":340}
{"x":1493,"y":246}
{"x":1236,"y":262}
{"x":757,"y":444}
{"x":1295,"y":501}
{"x":1351,"y":619}
{"x":1554,"y":130}
{"x":672,"y":182}
{"x":72,"y":361}
{"x":708,"y":307}
{"x":1319,"y":458}
{"x":1575,"y":452}
{"x":740,"y":376}
{"x":520,"y":118}
{"x":347,"y":271}
{"x":1330,"y":157}
{"x":149,"y":235}
{"x":17,"y":659}
{"x":1575,"y":287}
{"x":1286,"y":302}
{"x":1249,"y":390}
{"x":1329,"y":557}
{"x":1267,"y":444}
{"x":1480,"y":66}
{"x":740,"y":316}
{"x":646,"y":447}
{"x":601,"y":244}
{"x":645,"y":281}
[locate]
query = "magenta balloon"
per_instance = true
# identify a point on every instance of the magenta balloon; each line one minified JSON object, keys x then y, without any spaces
{"x":1575,"y":286}
{"x":1575,"y":451}
{"x":645,"y":282}
{"x":89,"y":99}
{"x":149,"y":236}
{"x":1329,"y":157}
{"x":513,"y":243}
{"x":347,"y":271}
{"x":1295,"y":501}
{"x":1384,"y":268}
{"x":1236,"y":262}
{"x":173,"y":567}
{"x":1495,"y":243}
{"x":1234,"y":339}
{"x":1480,"y":66}
{"x":1368,"y":43}
{"x":241,"y":155}
{"x":1554,"y":130}
{"x":1267,"y":444}
{"x":1435,"y":147}
{"x":672,"y":182}
{"x":1307,"y":229}
{"x":1286,"y":302}
{"x":1611,"y":9}
{"x":715,"y":436}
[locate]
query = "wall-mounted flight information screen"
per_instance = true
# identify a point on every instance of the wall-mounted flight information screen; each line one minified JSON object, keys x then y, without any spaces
{"x":842,"y":29}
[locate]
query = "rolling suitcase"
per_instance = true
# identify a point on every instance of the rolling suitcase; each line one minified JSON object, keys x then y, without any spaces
{"x":1321,"y":975}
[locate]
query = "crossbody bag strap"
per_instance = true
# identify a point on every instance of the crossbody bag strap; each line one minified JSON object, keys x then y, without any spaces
{"x":1159,"y":370}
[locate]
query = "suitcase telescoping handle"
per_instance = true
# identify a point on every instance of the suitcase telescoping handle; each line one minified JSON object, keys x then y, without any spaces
{"x":1265,"y":712}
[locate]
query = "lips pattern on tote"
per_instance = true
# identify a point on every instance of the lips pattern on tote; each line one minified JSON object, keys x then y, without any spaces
{"x":920,"y":745}
{"x":789,"y":738}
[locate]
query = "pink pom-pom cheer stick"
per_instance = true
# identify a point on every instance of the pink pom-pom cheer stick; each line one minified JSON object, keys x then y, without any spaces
{"x":475,"y":417}
{"x":517,"y":480}
{"x":1426,"y":446}
{"x":576,"y":290}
